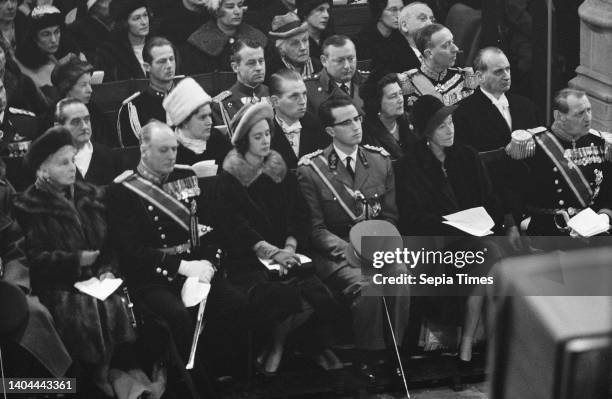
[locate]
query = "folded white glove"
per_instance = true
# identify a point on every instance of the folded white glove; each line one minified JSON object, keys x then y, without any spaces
{"x":202,"y":269}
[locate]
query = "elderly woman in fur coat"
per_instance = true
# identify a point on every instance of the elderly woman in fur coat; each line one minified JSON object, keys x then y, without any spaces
{"x":263,"y":217}
{"x":65,"y":230}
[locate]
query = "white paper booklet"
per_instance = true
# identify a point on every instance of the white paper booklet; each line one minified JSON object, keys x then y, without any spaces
{"x":271,"y":265}
{"x":587,"y":223}
{"x":474,"y":221}
{"x":100,"y":289}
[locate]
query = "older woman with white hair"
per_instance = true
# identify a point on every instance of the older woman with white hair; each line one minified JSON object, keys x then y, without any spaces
{"x":209,"y":48}
{"x":262,"y":217}
{"x":66,"y":242}
{"x":292,"y":47}
{"x":188,"y":111}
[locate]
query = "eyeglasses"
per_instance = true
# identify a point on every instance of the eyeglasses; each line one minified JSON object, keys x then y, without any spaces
{"x":346,"y":123}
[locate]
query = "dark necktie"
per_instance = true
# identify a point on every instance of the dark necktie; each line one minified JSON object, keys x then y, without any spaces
{"x":349,"y":167}
{"x":345,"y":88}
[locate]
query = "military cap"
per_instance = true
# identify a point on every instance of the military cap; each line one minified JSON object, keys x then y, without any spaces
{"x":384,"y":236}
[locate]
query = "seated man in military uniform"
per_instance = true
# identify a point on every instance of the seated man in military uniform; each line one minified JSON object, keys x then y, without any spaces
{"x":153,"y":222}
{"x":344,"y":184}
{"x":18,"y":128}
{"x":339,"y":75}
{"x":138,"y":109}
{"x":249,"y":64}
{"x":569,"y":166}
{"x":436,"y":75}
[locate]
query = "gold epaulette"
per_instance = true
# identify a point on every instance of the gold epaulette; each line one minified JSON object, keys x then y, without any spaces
{"x":124,"y":176}
{"x":20,"y":111}
{"x":522,"y":145}
{"x":379,"y":150}
{"x":221,"y":96}
{"x":405,"y":79}
{"x":306,"y":159}
{"x":130,"y":98}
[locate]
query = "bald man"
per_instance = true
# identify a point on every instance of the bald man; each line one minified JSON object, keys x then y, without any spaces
{"x":153,"y":220}
{"x":405,"y":55}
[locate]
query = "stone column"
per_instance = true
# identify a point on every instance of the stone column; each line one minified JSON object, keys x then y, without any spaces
{"x":595,"y":70}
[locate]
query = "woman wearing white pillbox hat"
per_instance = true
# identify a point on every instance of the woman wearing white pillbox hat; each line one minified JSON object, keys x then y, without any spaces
{"x":188,"y":112}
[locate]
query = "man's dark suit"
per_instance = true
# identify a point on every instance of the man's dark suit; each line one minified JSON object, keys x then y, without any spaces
{"x":103,"y":168}
{"x":312,"y":138}
{"x":479,"y":123}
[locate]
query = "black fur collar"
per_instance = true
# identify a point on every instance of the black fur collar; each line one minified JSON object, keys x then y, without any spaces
{"x":274,"y":166}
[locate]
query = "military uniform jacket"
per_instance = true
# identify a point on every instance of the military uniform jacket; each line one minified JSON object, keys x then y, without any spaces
{"x":17,"y":131}
{"x":450,"y":86}
{"x":136,"y":111}
{"x":236,"y":97}
{"x":548,"y":190}
{"x":140,"y":230}
{"x":320,"y":87}
{"x":330,"y":222}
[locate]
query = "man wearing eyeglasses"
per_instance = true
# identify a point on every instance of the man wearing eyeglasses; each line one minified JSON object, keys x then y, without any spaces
{"x":343,"y":185}
{"x":339,"y":75}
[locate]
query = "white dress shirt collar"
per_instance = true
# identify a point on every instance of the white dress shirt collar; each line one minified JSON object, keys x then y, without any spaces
{"x":501,"y":104}
{"x":82,"y":158}
{"x":343,"y":156}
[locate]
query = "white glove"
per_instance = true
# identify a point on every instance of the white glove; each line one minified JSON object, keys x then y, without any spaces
{"x":202,"y":269}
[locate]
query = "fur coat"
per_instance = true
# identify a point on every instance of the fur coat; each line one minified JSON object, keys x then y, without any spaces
{"x":56,"y":231}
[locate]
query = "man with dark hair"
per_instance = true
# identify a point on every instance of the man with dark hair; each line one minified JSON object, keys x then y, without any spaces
{"x":138,"y":109}
{"x":569,"y":166}
{"x":95,"y":162}
{"x":339,"y":75}
{"x":296,"y":132}
{"x":485,"y":121}
{"x":343,"y":185}
{"x":436,"y":75}
{"x":249,"y":65}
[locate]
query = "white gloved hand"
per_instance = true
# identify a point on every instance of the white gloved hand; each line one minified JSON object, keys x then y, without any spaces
{"x":196,"y":268}
{"x":207,"y":274}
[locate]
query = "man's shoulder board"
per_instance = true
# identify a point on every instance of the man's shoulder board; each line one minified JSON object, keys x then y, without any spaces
{"x":600,"y":134}
{"x":131,"y":98}
{"x":221,"y":96}
{"x":537,"y":130}
{"x":124,"y":176}
{"x":307,"y":159}
{"x":379,"y":150}
{"x":20,"y":111}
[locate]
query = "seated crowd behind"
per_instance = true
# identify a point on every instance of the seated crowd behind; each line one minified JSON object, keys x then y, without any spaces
{"x":286,"y":161}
